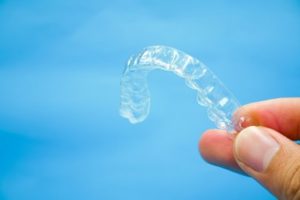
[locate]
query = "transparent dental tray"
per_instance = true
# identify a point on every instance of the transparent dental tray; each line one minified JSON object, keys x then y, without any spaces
{"x":211,"y":92}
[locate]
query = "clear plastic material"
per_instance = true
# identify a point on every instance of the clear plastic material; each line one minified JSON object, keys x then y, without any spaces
{"x":211,"y":92}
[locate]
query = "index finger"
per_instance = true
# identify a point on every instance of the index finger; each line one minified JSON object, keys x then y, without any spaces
{"x":282,"y":115}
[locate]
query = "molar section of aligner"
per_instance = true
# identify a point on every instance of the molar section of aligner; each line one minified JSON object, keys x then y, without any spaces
{"x":219,"y":118}
{"x":204,"y":83}
{"x":222,"y":108}
{"x":221,"y":98}
{"x":135,"y":96}
{"x":135,"y":115}
{"x":135,"y":103}
{"x":138,"y":109}
{"x":216,"y":93}
{"x":202,"y":100}
{"x":192,"y":73}
{"x":210,"y":89}
{"x":230,"y":107}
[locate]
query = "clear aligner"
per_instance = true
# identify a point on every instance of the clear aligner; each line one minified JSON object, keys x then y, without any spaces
{"x":211,"y":92}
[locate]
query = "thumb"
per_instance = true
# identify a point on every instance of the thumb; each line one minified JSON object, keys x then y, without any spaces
{"x":270,"y":158}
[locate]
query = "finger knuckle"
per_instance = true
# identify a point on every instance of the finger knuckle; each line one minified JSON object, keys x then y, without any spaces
{"x":292,"y":183}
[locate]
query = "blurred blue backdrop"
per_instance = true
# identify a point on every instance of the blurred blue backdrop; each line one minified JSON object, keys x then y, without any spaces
{"x":60,"y":64}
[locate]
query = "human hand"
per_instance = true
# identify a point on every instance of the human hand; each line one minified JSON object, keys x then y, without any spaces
{"x":264,"y":149}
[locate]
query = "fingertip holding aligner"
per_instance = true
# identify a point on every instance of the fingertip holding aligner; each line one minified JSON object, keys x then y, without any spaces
{"x":211,"y":92}
{"x":241,"y":121}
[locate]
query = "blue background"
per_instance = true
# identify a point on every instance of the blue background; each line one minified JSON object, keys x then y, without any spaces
{"x":60,"y":64}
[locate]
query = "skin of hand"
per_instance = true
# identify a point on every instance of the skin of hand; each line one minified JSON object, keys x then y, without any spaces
{"x":264,"y":149}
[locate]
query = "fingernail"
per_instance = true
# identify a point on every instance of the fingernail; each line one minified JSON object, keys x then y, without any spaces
{"x":255,"y":148}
